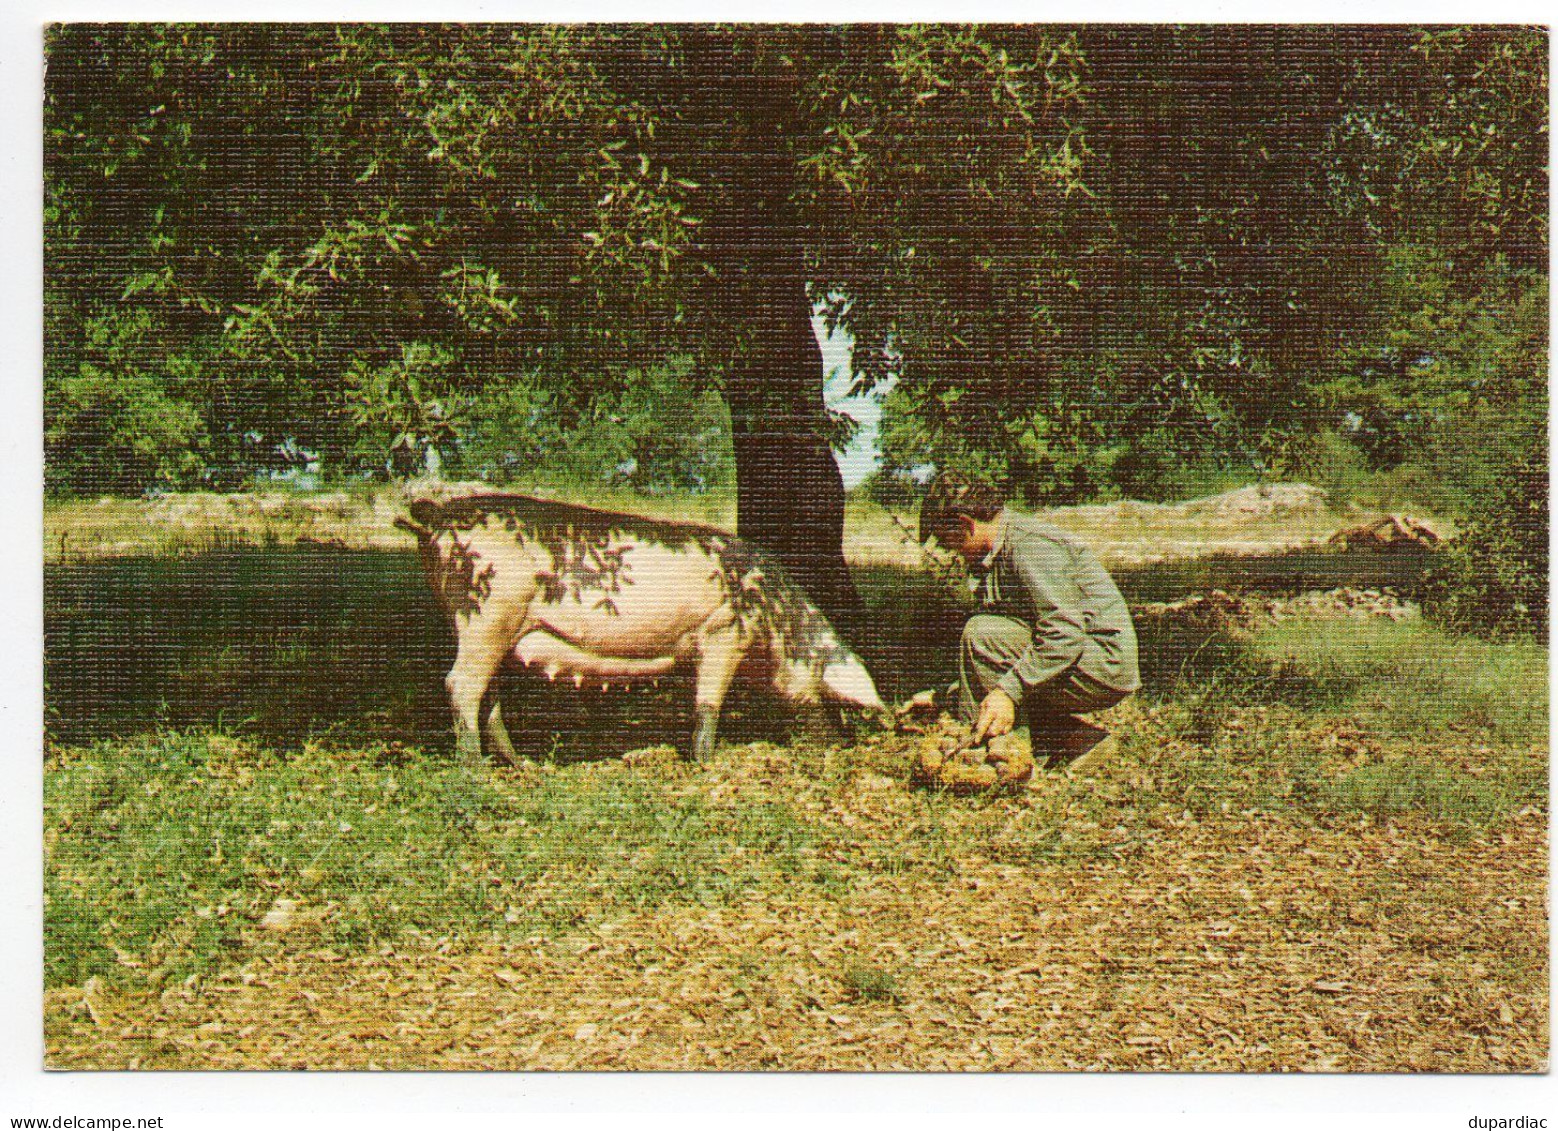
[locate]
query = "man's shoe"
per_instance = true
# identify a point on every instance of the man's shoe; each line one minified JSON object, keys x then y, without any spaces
{"x":1076,"y":746}
{"x":1101,"y":751}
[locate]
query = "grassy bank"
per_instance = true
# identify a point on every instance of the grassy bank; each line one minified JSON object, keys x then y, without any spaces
{"x":361,"y":516}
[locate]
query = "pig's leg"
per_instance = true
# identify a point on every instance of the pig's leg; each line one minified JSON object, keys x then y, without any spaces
{"x":502,"y":744}
{"x":719,"y":655}
{"x":485,"y":640}
{"x":821,"y":724}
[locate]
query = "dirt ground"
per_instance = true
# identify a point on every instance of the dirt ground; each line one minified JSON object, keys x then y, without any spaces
{"x":1237,"y":941}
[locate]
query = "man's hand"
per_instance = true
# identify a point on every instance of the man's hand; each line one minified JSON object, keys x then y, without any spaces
{"x":997,"y":716}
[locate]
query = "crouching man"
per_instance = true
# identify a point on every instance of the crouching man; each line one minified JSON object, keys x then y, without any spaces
{"x":1053,"y":638}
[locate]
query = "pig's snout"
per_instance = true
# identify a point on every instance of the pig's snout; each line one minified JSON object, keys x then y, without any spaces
{"x":847,"y":681}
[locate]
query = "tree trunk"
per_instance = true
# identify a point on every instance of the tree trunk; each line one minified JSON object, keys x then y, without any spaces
{"x":789,"y":492}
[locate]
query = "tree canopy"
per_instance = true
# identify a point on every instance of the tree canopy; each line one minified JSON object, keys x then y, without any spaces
{"x":1081,"y":255}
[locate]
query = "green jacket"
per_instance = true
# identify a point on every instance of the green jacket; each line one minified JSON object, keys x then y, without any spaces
{"x":1046,"y":578}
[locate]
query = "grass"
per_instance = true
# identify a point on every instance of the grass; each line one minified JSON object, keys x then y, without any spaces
{"x":1396,"y":789}
{"x":169,"y":846}
{"x":1412,"y":679}
{"x":164,"y":852}
{"x":1379,"y":720}
{"x":258,"y":730}
{"x":285,"y":640}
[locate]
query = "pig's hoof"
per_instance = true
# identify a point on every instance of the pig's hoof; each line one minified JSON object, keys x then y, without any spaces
{"x":467,"y":749}
{"x":703,"y":734}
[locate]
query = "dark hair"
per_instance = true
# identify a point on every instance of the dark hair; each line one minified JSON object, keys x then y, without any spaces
{"x":953,"y":494}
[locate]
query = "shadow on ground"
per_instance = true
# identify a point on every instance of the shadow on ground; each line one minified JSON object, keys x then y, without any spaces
{"x":311,"y":640}
{"x":1279,"y":575}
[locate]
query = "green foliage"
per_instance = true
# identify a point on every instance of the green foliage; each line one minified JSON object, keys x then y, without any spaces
{"x":894,"y":490}
{"x":1446,"y":348}
{"x":1450,"y":390}
{"x":948,"y":166}
{"x":1153,"y":469}
{"x":1338,"y":247}
{"x":513,"y":429}
{"x":1495,"y":579}
{"x":1447,"y":146}
{"x":561,"y":201}
{"x":1137,"y":260}
{"x":1331,"y":461}
{"x":1047,"y":456}
{"x":129,"y":417}
{"x":1495,"y":451}
{"x":406,"y":413}
{"x":656,"y":432}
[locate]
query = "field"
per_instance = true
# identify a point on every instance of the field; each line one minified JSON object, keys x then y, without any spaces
{"x":1322,"y":846}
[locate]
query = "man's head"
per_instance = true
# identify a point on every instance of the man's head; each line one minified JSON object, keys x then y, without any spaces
{"x":960,"y":512}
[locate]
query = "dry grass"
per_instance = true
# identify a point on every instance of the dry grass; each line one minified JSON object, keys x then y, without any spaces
{"x":1240,"y":523}
{"x":1111,"y":923}
{"x":1124,"y":534}
{"x":77,"y":530}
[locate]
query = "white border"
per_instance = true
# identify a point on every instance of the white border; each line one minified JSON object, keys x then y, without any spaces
{"x":412,"y":1100}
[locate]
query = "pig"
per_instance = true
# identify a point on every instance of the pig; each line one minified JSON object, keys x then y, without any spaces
{"x":613,"y":599}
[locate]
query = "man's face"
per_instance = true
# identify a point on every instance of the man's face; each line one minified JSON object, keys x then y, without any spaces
{"x":963,"y":540}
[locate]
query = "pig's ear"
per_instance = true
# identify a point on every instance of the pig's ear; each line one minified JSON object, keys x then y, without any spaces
{"x":848,"y":681}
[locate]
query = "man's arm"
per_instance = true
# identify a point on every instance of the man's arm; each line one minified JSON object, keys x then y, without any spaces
{"x":1059,"y":633}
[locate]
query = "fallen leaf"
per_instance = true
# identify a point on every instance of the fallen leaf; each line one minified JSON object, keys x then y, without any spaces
{"x":280,"y":916}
